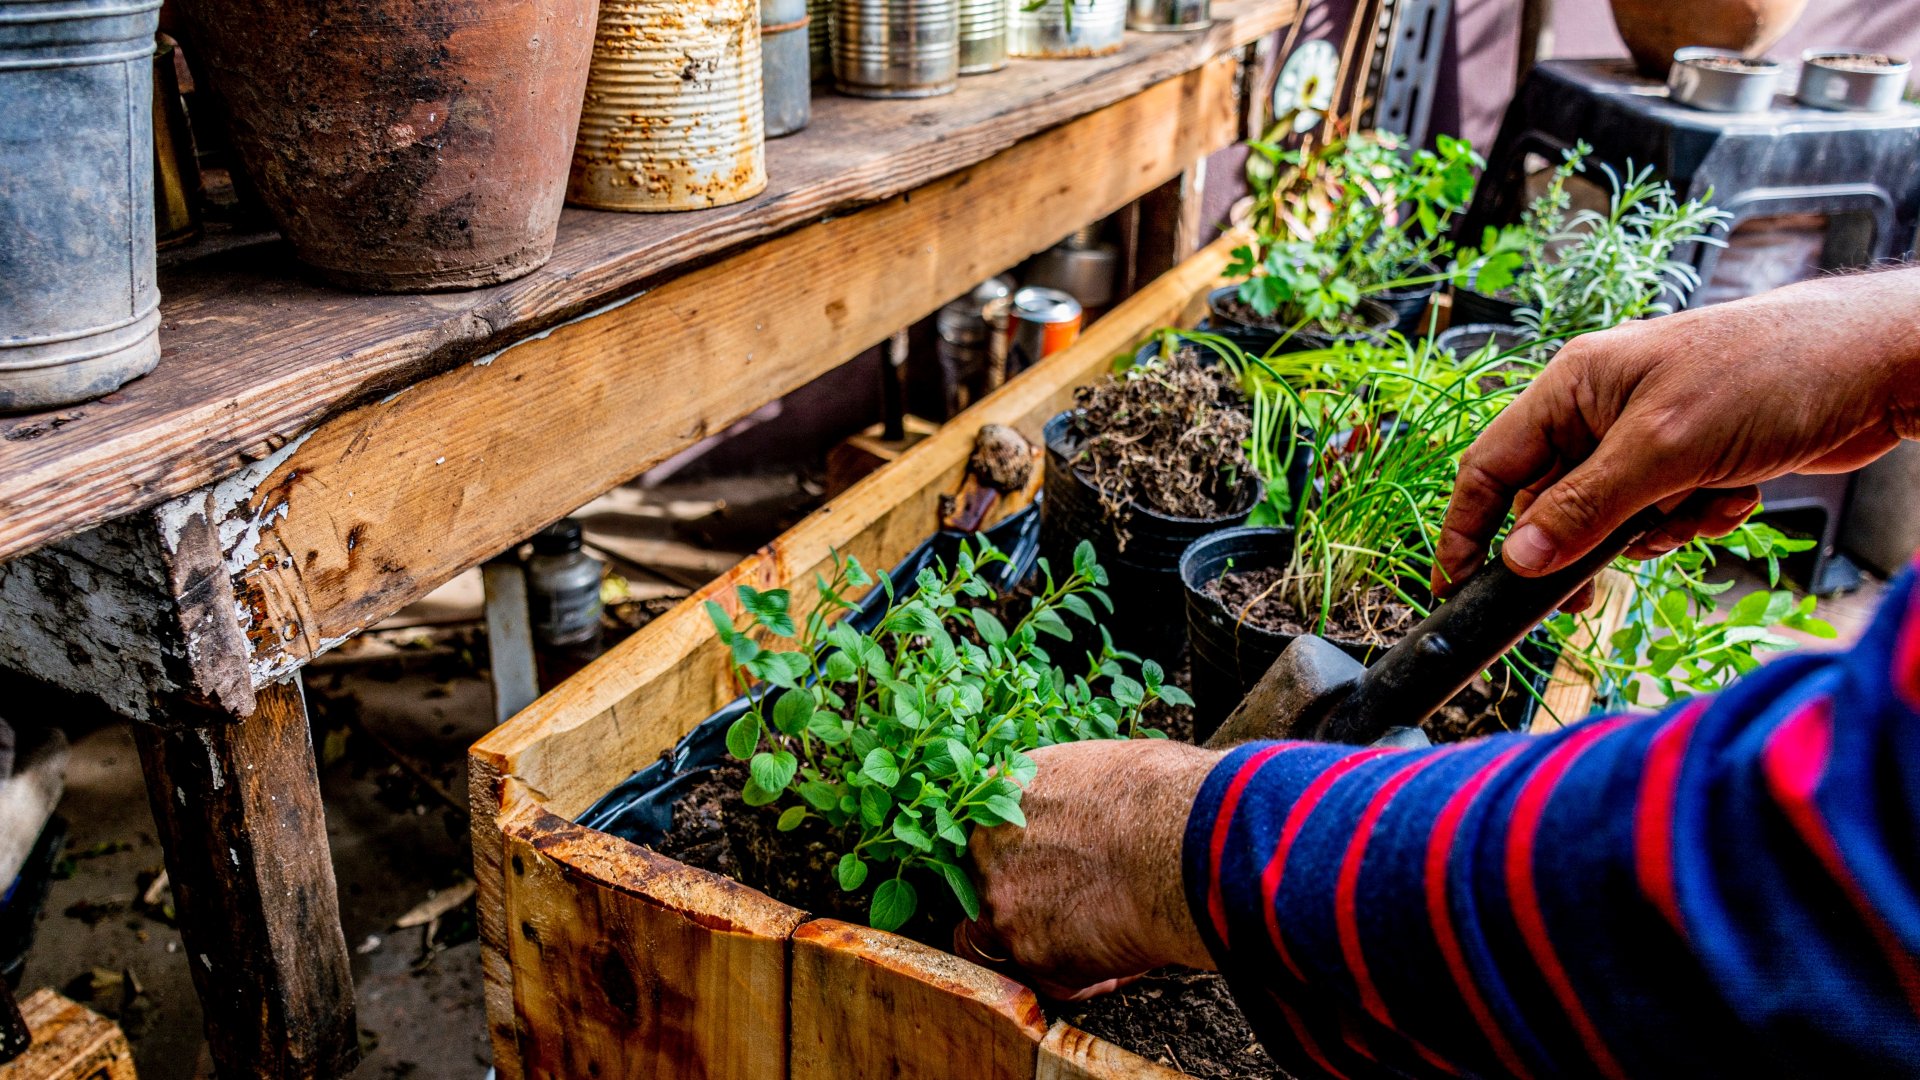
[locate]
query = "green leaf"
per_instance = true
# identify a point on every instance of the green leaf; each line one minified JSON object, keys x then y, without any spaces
{"x":989,"y":626}
{"x":1021,"y":769}
{"x":754,"y":794}
{"x":1152,"y":674}
{"x":773,"y":771}
{"x":909,"y":832}
{"x":894,"y":903}
{"x":819,"y":794}
{"x":722,"y":622}
{"x":769,"y":609}
{"x":961,"y":885}
{"x":1048,"y":621}
{"x":880,"y":767}
{"x":1007,"y":809}
{"x":745,"y":650}
{"x":1127,"y":692}
{"x":743,"y":735}
{"x":851,"y":871}
{"x":948,"y":829}
{"x":840,"y":668}
{"x":1173,"y":695}
{"x":874,"y":804}
{"x":828,"y":727}
{"x":792,"y":711}
{"x":1078,"y":606}
{"x":1084,"y":558}
{"x":791,"y":818}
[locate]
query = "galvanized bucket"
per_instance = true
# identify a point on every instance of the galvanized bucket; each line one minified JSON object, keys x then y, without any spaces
{"x":896,"y":48}
{"x":1157,"y":16}
{"x":820,"y":37}
{"x":983,"y":35}
{"x":785,"y":65}
{"x":674,"y":117}
{"x":79,"y":309}
{"x":1099,"y":28}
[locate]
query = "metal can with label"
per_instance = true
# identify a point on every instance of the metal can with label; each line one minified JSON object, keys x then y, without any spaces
{"x":1045,"y":322}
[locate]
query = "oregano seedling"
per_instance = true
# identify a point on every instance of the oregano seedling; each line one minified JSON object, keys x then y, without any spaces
{"x":906,"y":739}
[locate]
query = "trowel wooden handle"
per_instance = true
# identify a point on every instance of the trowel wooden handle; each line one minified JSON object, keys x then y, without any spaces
{"x":1463,"y":637}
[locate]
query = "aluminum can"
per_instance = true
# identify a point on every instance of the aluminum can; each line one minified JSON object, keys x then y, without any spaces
{"x":971,"y":342}
{"x":674,"y":116}
{"x":1155,"y":16}
{"x":1837,"y":80}
{"x":785,"y":66}
{"x":983,"y":35}
{"x":1099,"y":27}
{"x":896,"y":48}
{"x":79,"y":304}
{"x":820,"y":37}
{"x":1045,"y":322}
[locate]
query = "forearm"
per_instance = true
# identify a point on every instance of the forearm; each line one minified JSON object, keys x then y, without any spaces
{"x":1720,"y":886}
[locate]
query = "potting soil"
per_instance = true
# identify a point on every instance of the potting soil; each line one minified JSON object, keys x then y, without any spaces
{"x":1172,"y":436}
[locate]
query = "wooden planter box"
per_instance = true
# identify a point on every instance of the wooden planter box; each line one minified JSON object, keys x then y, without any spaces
{"x":604,"y":959}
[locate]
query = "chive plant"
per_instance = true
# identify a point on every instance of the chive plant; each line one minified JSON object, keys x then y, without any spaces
{"x":905,"y":739}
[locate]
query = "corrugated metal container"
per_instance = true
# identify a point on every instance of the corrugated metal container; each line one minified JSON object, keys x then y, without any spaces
{"x":79,"y":306}
{"x":1169,"y":15}
{"x":1099,"y":28}
{"x":983,"y":35}
{"x":820,"y":37}
{"x":785,"y":65}
{"x":896,"y":48}
{"x":674,"y":118}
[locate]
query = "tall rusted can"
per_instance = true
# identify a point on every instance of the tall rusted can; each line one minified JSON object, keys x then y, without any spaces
{"x":983,"y":35}
{"x":785,"y":65}
{"x":79,"y":306}
{"x":896,"y":48}
{"x":675,"y":117}
{"x":1099,"y":27}
{"x":820,"y":37}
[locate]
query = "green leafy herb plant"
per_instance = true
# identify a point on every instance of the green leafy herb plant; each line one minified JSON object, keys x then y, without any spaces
{"x":906,"y":739}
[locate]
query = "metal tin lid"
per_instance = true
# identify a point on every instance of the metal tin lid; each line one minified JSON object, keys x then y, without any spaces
{"x":1037,"y":305}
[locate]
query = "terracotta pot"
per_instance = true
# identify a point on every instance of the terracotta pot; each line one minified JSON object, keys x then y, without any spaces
{"x":1653,"y":29}
{"x":403,"y":145}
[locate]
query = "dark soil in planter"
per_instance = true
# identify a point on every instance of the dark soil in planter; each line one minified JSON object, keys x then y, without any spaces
{"x":1173,"y":441}
{"x":1731,"y":63}
{"x":1190,"y":1023}
{"x":1386,"y":617}
{"x":1866,"y":63}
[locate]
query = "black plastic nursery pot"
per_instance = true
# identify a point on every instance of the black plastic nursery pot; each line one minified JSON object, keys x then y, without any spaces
{"x":1144,"y":577}
{"x":1261,"y":338}
{"x":1409,"y":305}
{"x":1470,"y":308}
{"x":1228,"y":656}
{"x":1465,"y":339}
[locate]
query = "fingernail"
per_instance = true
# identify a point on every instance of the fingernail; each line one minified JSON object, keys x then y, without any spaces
{"x":1528,"y":548}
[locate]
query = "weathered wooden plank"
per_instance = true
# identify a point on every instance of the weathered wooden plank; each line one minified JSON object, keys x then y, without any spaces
{"x":70,"y":1042}
{"x":1571,"y":690}
{"x":572,"y":745}
{"x":256,"y":352}
{"x":869,"y":1003}
{"x":238,"y":809}
{"x":1068,"y":1053}
{"x":385,"y":502}
{"x":647,"y":968}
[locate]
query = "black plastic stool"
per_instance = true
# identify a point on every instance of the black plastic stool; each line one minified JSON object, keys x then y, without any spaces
{"x":1860,"y":171}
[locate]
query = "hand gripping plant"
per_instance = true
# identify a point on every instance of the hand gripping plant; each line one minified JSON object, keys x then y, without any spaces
{"x":905,"y":739}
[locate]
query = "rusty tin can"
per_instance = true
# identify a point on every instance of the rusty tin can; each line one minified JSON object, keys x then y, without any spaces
{"x":674,"y":116}
{"x":983,"y":35}
{"x":896,"y":48}
{"x":1099,"y":27}
{"x":785,"y":65}
{"x":1045,"y":321}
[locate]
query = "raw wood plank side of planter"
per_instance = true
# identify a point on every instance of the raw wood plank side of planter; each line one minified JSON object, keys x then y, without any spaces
{"x":380,"y":505}
{"x":647,"y":967}
{"x":574,"y":744}
{"x":1067,"y":1053}
{"x":869,"y":1003}
{"x":1571,"y":690}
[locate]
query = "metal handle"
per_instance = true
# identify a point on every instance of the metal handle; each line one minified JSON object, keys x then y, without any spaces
{"x":1463,"y":637}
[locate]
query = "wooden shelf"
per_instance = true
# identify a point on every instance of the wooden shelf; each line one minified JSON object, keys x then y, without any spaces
{"x":256,"y":352}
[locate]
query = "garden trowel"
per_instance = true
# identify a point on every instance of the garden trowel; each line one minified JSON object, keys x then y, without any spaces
{"x":1316,"y":691}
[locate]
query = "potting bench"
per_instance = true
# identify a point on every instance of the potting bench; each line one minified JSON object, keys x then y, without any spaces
{"x":306,"y":461}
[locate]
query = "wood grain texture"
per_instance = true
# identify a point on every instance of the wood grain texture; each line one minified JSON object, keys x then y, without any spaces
{"x":385,"y":502}
{"x":647,"y":968}
{"x":576,"y":742}
{"x":866,"y":1003}
{"x":1067,"y":1053}
{"x":239,"y":813}
{"x":255,"y":352}
{"x":1571,"y":690}
{"x":70,"y":1042}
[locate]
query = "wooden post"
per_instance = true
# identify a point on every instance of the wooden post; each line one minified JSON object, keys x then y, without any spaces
{"x":516,"y":680}
{"x":238,"y":809}
{"x":1170,"y":224}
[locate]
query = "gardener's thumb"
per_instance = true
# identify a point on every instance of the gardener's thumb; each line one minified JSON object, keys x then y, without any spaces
{"x":1573,"y":516}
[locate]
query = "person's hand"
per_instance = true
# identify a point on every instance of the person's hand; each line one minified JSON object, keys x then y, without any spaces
{"x":1818,"y":377}
{"x":1089,"y":893}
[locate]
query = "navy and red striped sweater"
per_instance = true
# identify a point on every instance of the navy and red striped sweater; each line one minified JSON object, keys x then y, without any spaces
{"x":1730,"y":887}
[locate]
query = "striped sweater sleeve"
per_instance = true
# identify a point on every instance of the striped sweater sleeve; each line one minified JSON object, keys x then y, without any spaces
{"x":1730,"y":887}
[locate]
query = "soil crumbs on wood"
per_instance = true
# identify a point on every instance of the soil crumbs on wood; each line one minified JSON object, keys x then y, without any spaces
{"x":1171,"y":436}
{"x":1185,"y":1020}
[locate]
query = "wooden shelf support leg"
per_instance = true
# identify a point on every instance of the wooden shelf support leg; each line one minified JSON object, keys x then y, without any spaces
{"x":238,"y":807}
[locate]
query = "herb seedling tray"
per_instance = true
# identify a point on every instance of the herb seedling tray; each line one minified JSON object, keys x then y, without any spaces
{"x":605,"y":959}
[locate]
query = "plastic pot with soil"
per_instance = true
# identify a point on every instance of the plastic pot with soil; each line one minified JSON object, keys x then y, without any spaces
{"x":1146,"y":465}
{"x":1258,"y":334}
{"x":1477,"y":308}
{"x":1409,"y":303}
{"x":1239,"y":621}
